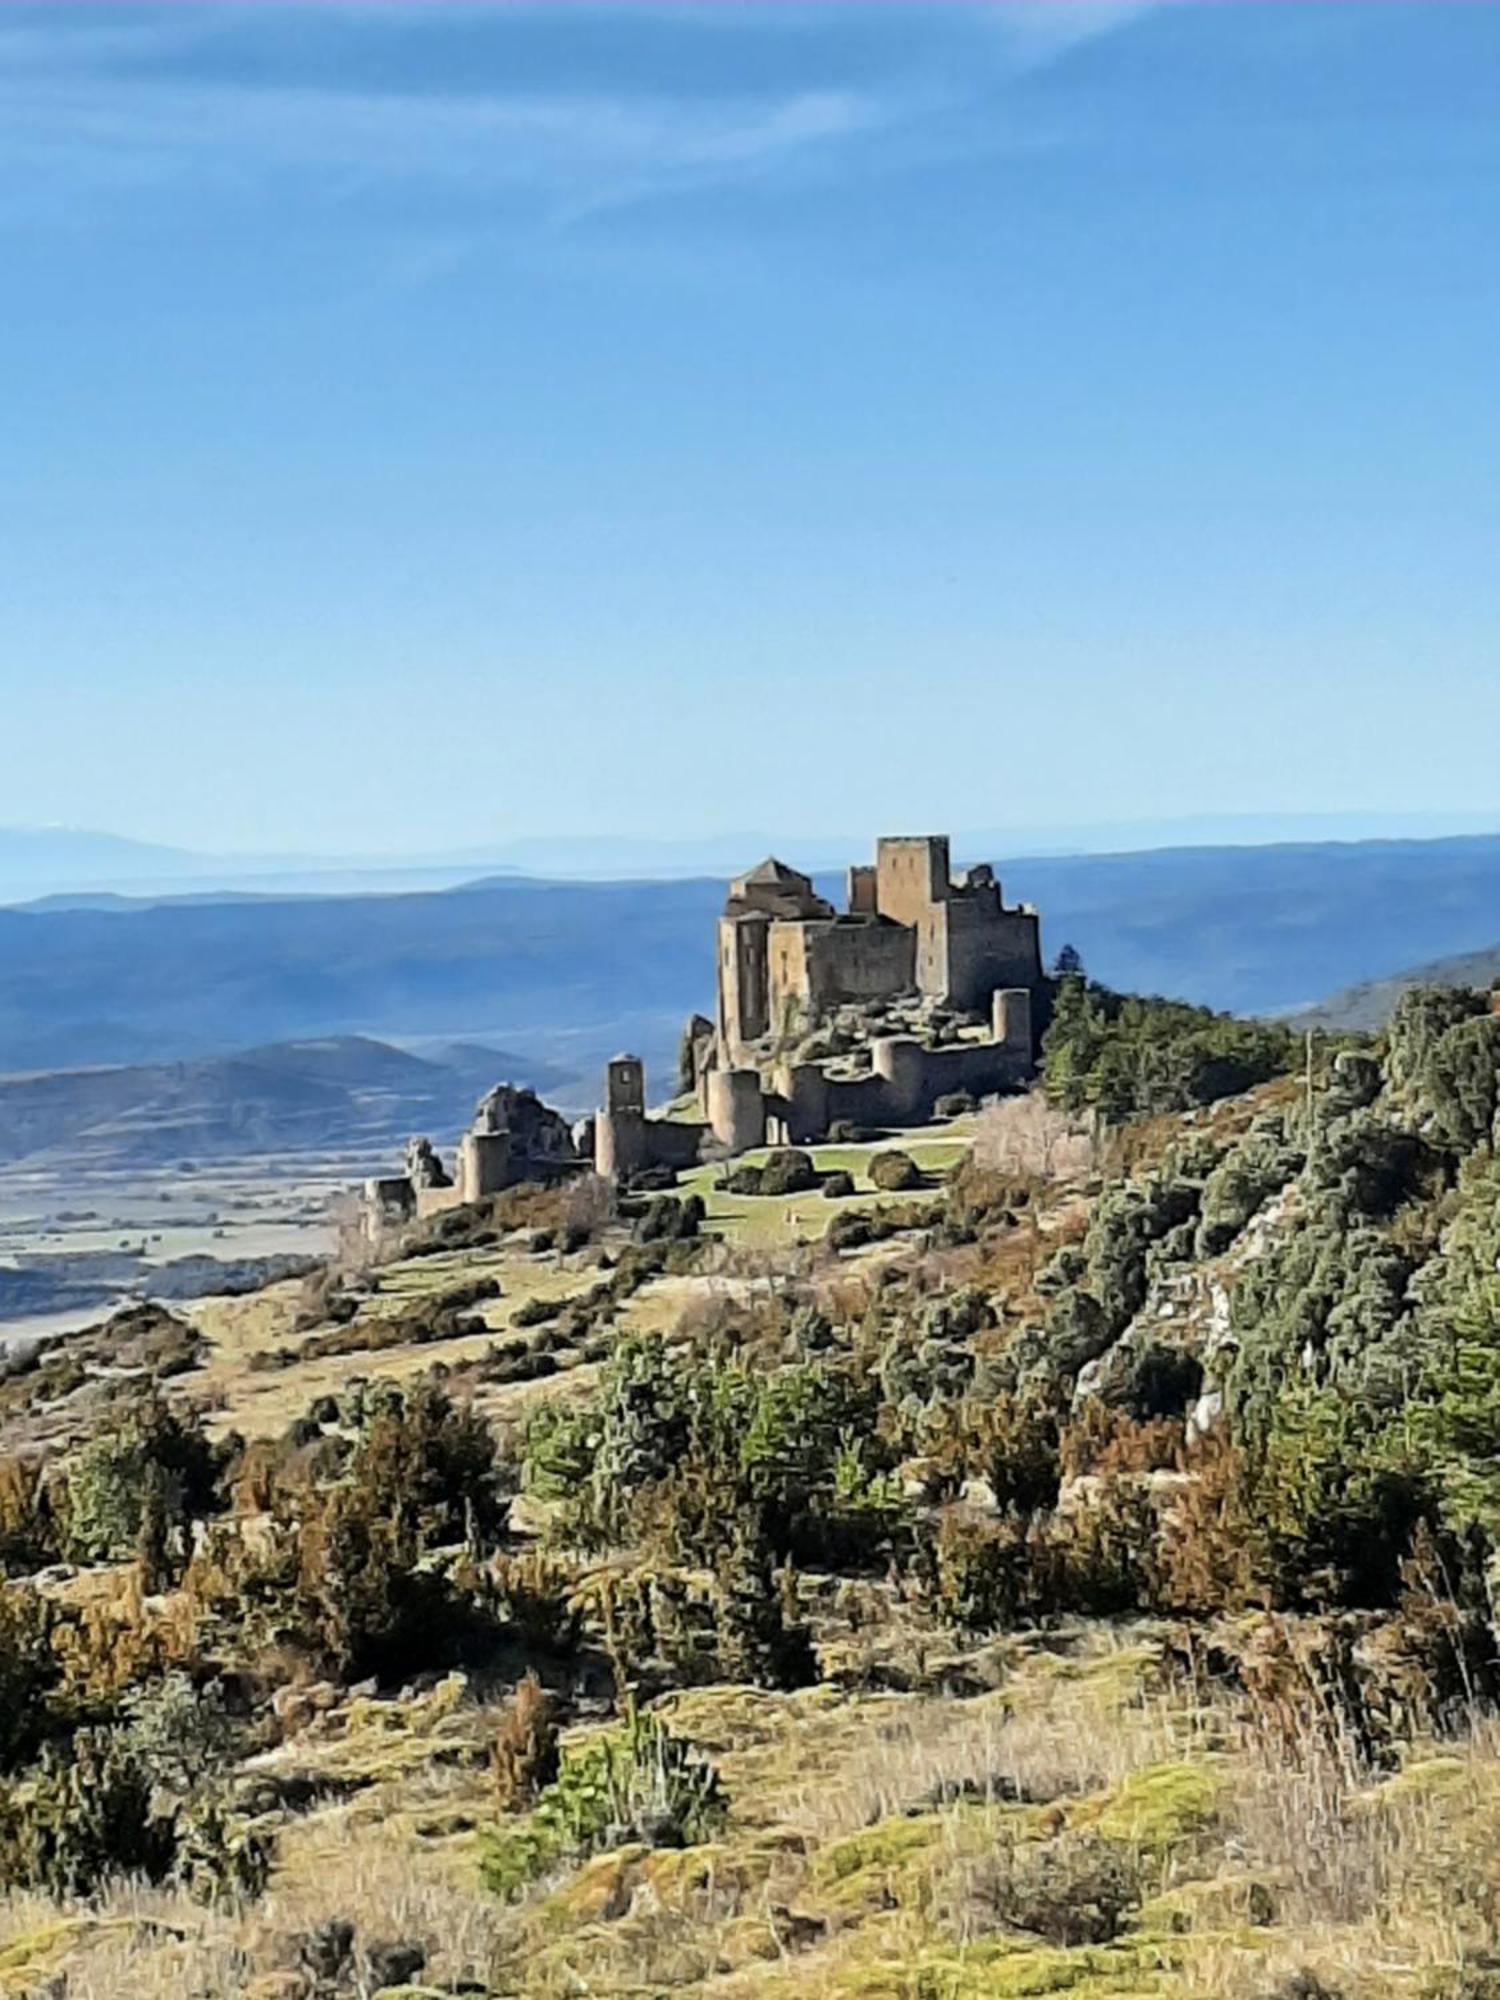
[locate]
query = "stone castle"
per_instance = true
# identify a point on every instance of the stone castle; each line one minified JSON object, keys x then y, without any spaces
{"x":924,"y":987}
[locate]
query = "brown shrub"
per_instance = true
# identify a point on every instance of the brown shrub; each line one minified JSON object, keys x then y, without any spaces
{"x":1108,"y":1442}
{"x":1209,"y":1554}
{"x":524,"y":1756}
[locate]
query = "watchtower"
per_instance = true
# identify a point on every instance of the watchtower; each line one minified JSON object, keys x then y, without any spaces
{"x":625,"y":1085}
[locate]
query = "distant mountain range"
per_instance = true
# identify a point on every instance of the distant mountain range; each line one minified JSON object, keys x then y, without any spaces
{"x":346,"y":1093}
{"x":563,"y":972}
{"x":149,"y":1003}
{"x":38,"y":862}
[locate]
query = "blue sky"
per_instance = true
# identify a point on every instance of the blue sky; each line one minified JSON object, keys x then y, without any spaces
{"x":427,"y":424}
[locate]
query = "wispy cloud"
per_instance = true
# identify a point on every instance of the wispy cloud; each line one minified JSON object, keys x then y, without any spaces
{"x":229,"y":94}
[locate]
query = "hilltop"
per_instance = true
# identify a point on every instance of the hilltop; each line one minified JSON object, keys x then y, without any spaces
{"x":342,"y":1091}
{"x":1066,"y":1574}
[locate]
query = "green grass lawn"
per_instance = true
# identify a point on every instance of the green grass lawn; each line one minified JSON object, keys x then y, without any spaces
{"x":782,"y":1219}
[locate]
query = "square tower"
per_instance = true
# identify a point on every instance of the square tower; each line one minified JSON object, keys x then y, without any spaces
{"x":911,"y":874}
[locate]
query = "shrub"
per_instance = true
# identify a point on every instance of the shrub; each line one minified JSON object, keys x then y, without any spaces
{"x":838,"y":1186}
{"x":637,"y":1782}
{"x":524,"y":1756}
{"x":788,"y":1170}
{"x":670,"y":1219}
{"x":533,"y":1594}
{"x":988,"y":1575}
{"x":953,"y":1104}
{"x":83,"y":1814}
{"x":760,"y":1639}
{"x":1011,"y":1442}
{"x":537,"y":1312}
{"x":149,"y":1460}
{"x":29,"y":1530}
{"x":422,"y":1476}
{"x":895,"y":1172}
{"x":1130,"y":1057}
{"x":29,"y":1671}
{"x":1077,"y":1890}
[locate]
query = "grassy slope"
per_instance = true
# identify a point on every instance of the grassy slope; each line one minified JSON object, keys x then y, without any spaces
{"x":875,"y":1844}
{"x":875,"y":1840}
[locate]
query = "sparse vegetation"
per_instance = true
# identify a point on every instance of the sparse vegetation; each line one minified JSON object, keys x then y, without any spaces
{"x":1076,"y":1579}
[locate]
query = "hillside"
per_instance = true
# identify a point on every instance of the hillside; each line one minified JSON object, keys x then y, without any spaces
{"x":1365,"y":1009}
{"x":1074,"y":1576}
{"x":289,"y":1097}
{"x":544,"y":967}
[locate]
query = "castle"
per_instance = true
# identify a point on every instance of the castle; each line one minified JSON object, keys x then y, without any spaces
{"x":787,"y":958}
{"x":926,"y":986}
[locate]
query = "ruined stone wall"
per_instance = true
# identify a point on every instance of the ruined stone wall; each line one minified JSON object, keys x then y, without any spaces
{"x":788,"y":988}
{"x":1013,"y":1022}
{"x":620,"y":1144}
{"x":864,"y":891}
{"x":906,"y":1082}
{"x":625,"y":1142}
{"x":434,"y":1200}
{"x":736,"y":1109}
{"x":486,"y":1165}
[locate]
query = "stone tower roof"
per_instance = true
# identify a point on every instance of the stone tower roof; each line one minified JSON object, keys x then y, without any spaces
{"x":772,"y":889}
{"x":774,"y":874}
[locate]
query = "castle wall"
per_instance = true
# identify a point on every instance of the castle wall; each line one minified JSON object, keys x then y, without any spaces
{"x":626,"y":1142}
{"x":859,"y":961}
{"x":798,"y":1105}
{"x":1012,"y":1024}
{"x":904,"y":1085}
{"x":736,"y":1109}
{"x":864,"y":891}
{"x":433,"y":1200}
{"x":788,"y":984}
{"x":485,"y":1165}
{"x":619,"y":1143}
{"x":970,"y":947}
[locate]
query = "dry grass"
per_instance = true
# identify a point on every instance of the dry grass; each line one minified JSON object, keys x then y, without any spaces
{"x":876,"y":1847}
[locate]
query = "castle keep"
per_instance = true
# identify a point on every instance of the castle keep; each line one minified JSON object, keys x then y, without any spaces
{"x":787,"y":958}
{"x":922,"y":987}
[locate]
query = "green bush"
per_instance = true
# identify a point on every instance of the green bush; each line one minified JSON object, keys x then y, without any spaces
{"x":149,"y":1468}
{"x":894,"y":1172}
{"x":788,"y":1170}
{"x":636,"y":1782}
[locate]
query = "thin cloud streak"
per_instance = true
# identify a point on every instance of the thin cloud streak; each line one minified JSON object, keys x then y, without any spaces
{"x":108,"y":107}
